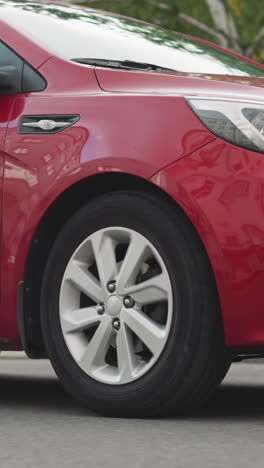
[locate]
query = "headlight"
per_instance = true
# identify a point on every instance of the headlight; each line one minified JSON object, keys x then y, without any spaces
{"x":240,"y":123}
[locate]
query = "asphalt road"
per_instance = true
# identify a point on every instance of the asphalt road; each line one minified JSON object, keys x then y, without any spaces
{"x":42,"y":427}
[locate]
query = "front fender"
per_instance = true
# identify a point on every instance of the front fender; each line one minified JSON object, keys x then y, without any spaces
{"x":220,"y":187}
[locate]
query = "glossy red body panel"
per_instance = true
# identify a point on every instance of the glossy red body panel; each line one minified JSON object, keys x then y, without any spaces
{"x":23,"y":46}
{"x":6,"y":109}
{"x":140,"y":124}
{"x":38,"y":168}
{"x":221,"y":188}
{"x":180,"y":84}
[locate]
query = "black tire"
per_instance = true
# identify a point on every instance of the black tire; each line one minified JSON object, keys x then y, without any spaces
{"x":194,"y":360}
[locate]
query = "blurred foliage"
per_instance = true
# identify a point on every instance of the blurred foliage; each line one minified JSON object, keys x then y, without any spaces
{"x":248,"y":16}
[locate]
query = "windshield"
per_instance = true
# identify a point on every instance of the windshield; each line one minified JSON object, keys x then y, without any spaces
{"x":72,"y":32}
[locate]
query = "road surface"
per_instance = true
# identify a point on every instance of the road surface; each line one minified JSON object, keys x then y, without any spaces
{"x":42,"y":427}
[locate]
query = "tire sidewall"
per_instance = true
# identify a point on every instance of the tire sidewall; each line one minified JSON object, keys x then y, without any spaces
{"x":156,"y":222}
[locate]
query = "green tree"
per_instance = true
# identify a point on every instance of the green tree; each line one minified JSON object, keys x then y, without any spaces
{"x":234,"y":24}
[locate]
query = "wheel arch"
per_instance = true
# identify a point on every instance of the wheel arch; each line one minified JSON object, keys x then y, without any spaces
{"x":49,"y":226}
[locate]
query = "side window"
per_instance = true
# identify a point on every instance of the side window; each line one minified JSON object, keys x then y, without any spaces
{"x":32,"y":81}
{"x":11,"y":68}
{"x":16,"y":76}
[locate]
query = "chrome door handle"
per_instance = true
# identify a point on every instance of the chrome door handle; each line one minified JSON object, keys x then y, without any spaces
{"x":47,"y":125}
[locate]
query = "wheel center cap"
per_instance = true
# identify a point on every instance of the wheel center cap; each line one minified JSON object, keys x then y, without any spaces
{"x":114,"y":305}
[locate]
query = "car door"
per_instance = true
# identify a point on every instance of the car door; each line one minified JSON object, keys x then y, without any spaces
{"x":5,"y":110}
{"x":6,"y":104}
{"x":17,"y":80}
{"x":9,"y":62}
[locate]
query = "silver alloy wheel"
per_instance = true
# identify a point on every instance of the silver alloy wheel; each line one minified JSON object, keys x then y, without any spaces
{"x":116,"y":305}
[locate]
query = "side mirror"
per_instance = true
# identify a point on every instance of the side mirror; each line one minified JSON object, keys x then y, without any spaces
{"x":10,"y":80}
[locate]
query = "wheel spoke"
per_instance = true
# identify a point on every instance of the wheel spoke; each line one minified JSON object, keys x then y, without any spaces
{"x":79,"y":320}
{"x":85,"y":281}
{"x":150,"y":291}
{"x":133,"y":260}
{"x":149,"y":332}
{"x":104,"y":253}
{"x":97,"y":348}
{"x":127,"y":360}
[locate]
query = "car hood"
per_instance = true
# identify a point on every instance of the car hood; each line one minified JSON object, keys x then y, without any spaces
{"x":182,"y":84}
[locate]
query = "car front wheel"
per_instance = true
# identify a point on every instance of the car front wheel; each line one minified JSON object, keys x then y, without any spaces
{"x":130,"y":311}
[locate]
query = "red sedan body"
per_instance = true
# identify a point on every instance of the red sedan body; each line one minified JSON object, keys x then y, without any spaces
{"x":135,"y":127}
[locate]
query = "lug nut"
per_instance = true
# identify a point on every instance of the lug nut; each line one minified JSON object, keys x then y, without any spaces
{"x":111,"y":287}
{"x":129,"y":302}
{"x":116,"y":324}
{"x":100,"y":309}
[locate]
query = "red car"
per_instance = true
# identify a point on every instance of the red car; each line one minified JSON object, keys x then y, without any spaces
{"x":132,"y":206}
